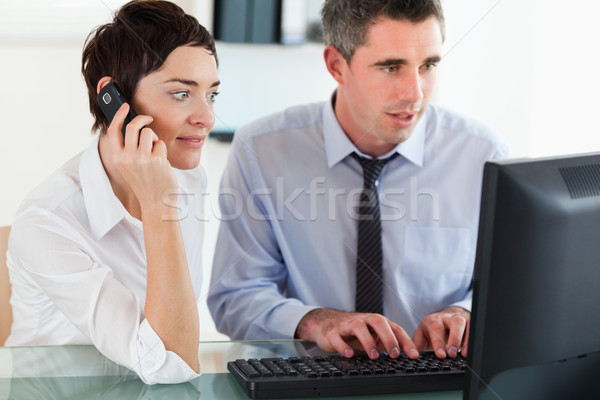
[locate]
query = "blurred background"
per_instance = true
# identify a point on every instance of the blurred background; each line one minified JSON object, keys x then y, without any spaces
{"x":525,"y":68}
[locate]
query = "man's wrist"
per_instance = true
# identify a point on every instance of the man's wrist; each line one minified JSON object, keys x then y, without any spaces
{"x":455,"y":308}
{"x":308,"y":324}
{"x":312,"y":323}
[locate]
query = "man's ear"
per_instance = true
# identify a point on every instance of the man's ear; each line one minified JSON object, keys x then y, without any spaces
{"x":103,"y":82}
{"x":336,"y":63}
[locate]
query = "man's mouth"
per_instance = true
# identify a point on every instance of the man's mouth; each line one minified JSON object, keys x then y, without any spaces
{"x":404,"y":116}
{"x":402,"y":119}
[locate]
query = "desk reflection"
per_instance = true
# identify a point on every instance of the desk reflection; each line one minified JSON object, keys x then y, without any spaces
{"x":78,"y":372}
{"x":81,"y":372}
{"x":105,"y":387}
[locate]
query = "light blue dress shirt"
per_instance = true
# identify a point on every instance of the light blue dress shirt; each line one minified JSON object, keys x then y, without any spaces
{"x":288,"y":234}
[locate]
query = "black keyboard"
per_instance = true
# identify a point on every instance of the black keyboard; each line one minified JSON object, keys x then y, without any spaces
{"x":324,"y":376}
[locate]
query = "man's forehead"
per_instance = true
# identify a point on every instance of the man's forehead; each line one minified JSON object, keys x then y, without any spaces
{"x":404,"y":33}
{"x":401,"y":39}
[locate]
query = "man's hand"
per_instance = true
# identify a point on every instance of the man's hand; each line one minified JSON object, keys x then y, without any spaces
{"x":341,"y":331}
{"x":451,"y":324}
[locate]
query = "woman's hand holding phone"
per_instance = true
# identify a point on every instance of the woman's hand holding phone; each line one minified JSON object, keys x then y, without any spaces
{"x":141,"y":158}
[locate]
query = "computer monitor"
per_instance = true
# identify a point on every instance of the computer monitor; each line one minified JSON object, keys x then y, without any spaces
{"x":535,"y":328}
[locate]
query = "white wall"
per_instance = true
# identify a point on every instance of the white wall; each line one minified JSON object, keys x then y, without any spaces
{"x":262,"y":79}
{"x":566,"y":78}
{"x":44,"y":116}
{"x":487,"y":66}
{"x":526,"y":68}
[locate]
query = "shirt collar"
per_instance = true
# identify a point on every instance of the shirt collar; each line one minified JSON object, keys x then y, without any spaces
{"x":103,"y":208}
{"x":338,"y":146}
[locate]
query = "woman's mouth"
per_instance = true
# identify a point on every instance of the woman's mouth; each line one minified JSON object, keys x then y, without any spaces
{"x":195,"y":141}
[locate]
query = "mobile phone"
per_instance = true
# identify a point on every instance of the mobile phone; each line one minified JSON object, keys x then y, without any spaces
{"x":110,"y":99}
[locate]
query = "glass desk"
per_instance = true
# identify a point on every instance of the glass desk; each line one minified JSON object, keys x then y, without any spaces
{"x":81,"y":372}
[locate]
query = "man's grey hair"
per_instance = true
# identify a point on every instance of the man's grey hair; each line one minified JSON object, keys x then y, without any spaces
{"x":346,"y":22}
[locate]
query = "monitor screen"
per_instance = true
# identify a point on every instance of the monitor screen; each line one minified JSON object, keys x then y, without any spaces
{"x":535,"y":328}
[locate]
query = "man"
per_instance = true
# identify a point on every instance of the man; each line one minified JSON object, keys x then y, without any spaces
{"x":293,"y":252}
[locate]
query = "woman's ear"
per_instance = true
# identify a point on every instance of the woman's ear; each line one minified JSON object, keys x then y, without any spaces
{"x":103,"y":82}
{"x":335,"y":63}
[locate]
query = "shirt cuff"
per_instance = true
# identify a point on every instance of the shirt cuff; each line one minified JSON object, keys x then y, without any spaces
{"x":155,"y":363}
{"x":466,"y":303}
{"x":285,"y":319}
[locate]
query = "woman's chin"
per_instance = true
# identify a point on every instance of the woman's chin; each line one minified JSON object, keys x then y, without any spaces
{"x":185,"y":162}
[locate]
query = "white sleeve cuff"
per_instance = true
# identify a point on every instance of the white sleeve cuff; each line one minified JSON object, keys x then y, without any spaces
{"x":155,"y":363}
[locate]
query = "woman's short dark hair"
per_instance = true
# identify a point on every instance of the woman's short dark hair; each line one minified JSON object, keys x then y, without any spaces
{"x":136,"y":43}
{"x":346,"y":22}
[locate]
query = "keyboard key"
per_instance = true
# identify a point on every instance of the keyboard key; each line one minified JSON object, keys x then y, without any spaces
{"x":247,"y":369}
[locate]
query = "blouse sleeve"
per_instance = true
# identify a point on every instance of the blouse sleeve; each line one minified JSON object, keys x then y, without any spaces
{"x":101,"y":307}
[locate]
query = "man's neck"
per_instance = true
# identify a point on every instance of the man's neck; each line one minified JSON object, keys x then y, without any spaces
{"x":362,"y":140}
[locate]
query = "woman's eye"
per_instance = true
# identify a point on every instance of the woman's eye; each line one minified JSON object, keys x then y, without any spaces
{"x":213,"y":96}
{"x":181,"y":95}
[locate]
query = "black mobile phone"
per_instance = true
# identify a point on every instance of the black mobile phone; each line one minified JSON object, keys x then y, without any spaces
{"x":110,"y":100}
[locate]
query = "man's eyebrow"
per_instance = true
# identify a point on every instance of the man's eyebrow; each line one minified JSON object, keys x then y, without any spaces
{"x":190,"y":82}
{"x":433,"y":60}
{"x":390,"y":61}
{"x":401,"y":61}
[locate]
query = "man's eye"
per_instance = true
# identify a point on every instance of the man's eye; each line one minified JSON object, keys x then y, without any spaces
{"x":391,"y":69}
{"x":213,"y":96}
{"x":181,"y":95}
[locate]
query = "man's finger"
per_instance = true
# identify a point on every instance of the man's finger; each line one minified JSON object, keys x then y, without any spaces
{"x":457,"y":325}
{"x":436,"y":332}
{"x":407,"y":345}
{"x":360,"y":330}
{"x":335,"y":340}
{"x":419,"y":339}
{"x":465,"y":343}
{"x":383,"y":329}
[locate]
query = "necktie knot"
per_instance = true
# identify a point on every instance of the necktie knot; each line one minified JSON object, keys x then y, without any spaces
{"x":372,"y":167}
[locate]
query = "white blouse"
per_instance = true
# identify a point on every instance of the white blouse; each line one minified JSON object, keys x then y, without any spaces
{"x":77,"y":266}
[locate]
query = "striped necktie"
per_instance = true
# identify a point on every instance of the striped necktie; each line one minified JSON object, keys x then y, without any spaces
{"x":369,"y":264}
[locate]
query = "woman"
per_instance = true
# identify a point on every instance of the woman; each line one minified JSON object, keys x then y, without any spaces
{"x":98,"y":254}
